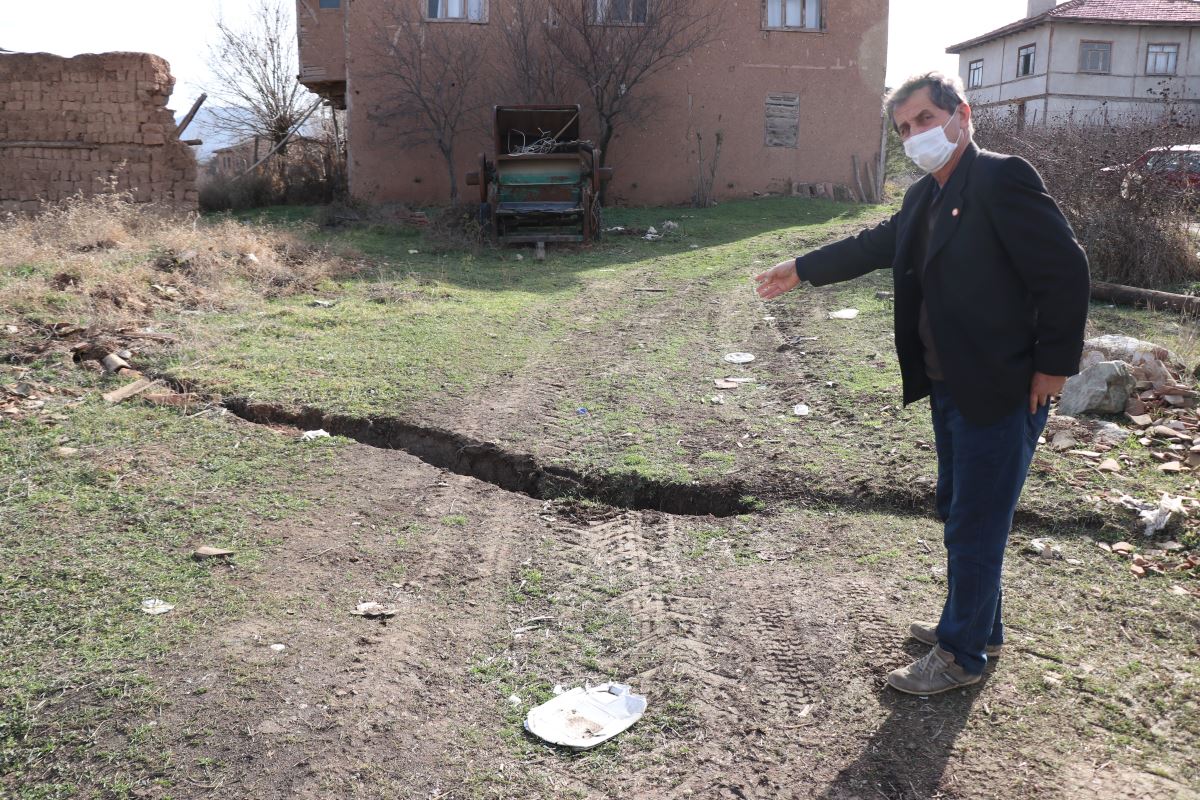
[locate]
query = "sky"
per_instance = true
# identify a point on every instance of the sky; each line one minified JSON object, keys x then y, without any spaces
{"x":180,"y":30}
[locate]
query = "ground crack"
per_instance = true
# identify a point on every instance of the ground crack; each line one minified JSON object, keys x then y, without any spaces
{"x":515,"y":472}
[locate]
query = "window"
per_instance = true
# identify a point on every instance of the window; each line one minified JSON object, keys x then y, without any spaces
{"x":1095,"y":57}
{"x":330,"y":4}
{"x":801,"y":14}
{"x":783,"y":120}
{"x":469,"y":10}
{"x":621,"y":12}
{"x":975,"y":74}
{"x":1162,"y":59}
{"x":1025,"y":60}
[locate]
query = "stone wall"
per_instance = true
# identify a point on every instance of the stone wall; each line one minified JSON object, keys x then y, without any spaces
{"x":90,"y":124}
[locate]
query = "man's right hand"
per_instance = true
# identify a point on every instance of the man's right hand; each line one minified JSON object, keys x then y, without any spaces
{"x":778,"y":279}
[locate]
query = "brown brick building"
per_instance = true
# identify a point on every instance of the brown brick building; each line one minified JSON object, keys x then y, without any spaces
{"x":792,"y":86}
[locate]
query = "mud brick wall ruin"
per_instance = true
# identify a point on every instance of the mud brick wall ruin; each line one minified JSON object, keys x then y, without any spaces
{"x":90,"y":124}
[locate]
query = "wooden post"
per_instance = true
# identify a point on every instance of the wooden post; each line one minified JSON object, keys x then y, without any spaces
{"x":187,"y":120}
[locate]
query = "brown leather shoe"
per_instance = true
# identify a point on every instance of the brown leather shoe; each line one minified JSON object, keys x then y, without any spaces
{"x":935,"y":673}
{"x":926,"y":633}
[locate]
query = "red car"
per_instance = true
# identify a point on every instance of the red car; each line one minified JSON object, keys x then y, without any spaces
{"x":1174,"y":169}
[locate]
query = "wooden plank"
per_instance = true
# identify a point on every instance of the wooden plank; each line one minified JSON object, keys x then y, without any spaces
{"x":187,"y":120}
{"x":128,"y":390}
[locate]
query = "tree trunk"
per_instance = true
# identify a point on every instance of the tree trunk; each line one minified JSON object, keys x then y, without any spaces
{"x":1134,"y":296}
{"x":448,"y":154}
{"x":606,"y":136}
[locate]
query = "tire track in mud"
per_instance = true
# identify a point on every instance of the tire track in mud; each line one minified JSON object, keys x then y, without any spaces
{"x":673,"y":633}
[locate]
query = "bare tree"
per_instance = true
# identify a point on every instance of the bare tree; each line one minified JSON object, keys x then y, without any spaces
{"x":612,"y":48}
{"x":428,"y":78}
{"x":531,"y":71}
{"x":255,"y":70}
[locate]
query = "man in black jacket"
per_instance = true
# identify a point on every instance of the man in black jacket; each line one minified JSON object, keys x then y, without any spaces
{"x":991,"y":299}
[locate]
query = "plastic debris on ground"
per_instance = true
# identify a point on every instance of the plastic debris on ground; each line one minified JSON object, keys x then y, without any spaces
{"x":584,"y":717}
{"x":374,"y":610}
{"x":309,"y":436}
{"x":155,"y":606}
{"x":801,"y":410}
{"x":845,"y":313}
{"x":739,"y":358}
{"x":1155,"y":516}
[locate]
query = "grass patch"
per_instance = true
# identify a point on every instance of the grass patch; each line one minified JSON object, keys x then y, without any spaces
{"x":87,"y":539}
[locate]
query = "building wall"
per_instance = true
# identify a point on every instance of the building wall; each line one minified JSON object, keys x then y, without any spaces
{"x":89,"y":124}
{"x":321,"y":35}
{"x":1062,"y":91}
{"x":838,"y":74}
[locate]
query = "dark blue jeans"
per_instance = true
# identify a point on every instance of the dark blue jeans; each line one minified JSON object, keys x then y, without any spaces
{"x":981,"y":469}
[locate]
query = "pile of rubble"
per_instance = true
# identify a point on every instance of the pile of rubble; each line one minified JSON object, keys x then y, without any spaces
{"x":104,"y":350}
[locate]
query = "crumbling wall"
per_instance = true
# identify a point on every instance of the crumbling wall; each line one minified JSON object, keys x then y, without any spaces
{"x":90,"y":124}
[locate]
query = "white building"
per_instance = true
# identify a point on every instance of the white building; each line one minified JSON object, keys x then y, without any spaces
{"x":1097,"y":60}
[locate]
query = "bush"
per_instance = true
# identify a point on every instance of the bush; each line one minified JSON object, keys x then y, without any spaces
{"x":1134,"y":233}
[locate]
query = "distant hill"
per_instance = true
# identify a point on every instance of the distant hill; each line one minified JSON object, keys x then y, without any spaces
{"x":201,"y":128}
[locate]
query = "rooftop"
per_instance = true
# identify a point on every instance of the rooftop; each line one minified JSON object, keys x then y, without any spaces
{"x":1133,"y":12}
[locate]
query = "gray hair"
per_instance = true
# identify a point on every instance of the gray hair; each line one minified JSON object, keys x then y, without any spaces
{"x":945,"y":91}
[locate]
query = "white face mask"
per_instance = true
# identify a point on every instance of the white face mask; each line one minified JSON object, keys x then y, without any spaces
{"x":931,"y":150}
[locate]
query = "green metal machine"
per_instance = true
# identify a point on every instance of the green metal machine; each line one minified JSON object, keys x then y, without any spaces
{"x":543,"y":184}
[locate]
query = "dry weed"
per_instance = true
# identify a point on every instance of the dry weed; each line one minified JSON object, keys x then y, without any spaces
{"x":105,"y":259}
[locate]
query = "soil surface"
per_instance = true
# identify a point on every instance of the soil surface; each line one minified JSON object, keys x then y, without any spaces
{"x":761,"y":642}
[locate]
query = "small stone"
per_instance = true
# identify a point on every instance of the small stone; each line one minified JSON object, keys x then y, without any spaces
{"x":1110,"y":465}
{"x":279,"y":648}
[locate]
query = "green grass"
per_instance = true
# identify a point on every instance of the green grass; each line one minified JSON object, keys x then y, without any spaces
{"x":86,"y":540}
{"x":442,"y":323}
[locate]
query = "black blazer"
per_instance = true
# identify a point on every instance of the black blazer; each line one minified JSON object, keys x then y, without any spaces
{"x":1006,"y":283}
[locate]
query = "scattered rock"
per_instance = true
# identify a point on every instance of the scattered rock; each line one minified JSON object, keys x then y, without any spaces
{"x":1063,"y":441}
{"x":845,"y":313}
{"x":205,"y":552}
{"x":1128,"y":349}
{"x":279,"y":648}
{"x":1110,"y":465}
{"x":1102,"y":388}
{"x":1045,"y":548}
{"x":801,"y":410}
